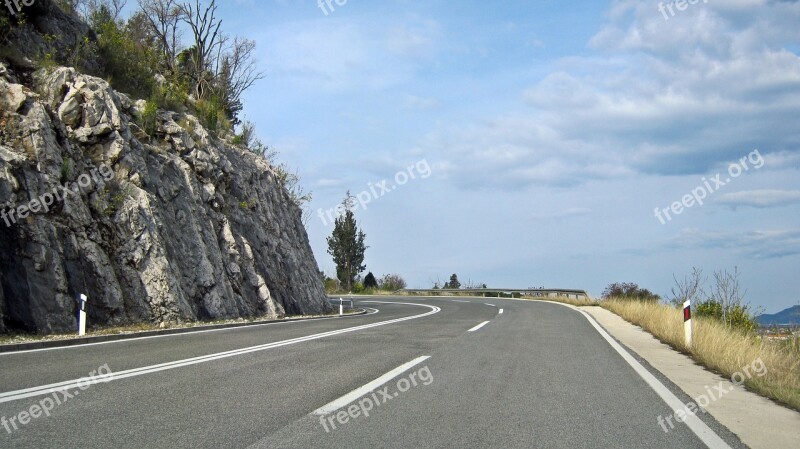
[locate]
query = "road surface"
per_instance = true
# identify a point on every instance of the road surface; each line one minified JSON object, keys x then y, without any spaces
{"x":414,"y":372}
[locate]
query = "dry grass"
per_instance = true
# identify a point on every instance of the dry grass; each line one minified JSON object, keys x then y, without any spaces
{"x":571,"y":301}
{"x":719,"y":348}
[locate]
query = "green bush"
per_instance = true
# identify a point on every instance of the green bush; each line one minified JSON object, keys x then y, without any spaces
{"x":169,"y":96}
{"x":331,"y":285}
{"x":47,"y":58}
{"x":66,"y":169}
{"x":149,"y":117}
{"x":5,"y":28}
{"x":212,"y":115}
{"x":129,"y":66}
{"x":735,"y":316}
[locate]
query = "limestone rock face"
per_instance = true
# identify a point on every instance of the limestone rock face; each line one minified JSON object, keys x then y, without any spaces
{"x":165,"y":228}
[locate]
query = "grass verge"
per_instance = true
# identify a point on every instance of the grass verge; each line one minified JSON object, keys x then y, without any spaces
{"x":723,"y":350}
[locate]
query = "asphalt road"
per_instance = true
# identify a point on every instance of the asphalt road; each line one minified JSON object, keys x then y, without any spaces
{"x":535,"y":375}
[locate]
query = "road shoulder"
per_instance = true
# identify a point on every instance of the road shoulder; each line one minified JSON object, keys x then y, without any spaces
{"x":757,"y":421}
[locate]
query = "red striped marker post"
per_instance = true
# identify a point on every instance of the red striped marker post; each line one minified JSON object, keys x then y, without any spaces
{"x":687,"y":322}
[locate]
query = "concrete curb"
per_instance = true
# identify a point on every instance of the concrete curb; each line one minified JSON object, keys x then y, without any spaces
{"x":757,"y":421}
{"x":105,"y":338}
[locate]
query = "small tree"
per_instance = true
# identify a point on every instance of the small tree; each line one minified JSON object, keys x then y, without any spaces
{"x":469,"y":285}
{"x":163,"y":17}
{"x":392,"y":282}
{"x":370,"y":281}
{"x":453,"y":282}
{"x":346,"y":245}
{"x":690,"y":288}
{"x":725,"y":302}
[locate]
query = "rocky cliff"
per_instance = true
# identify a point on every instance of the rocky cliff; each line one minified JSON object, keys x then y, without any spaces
{"x":173,"y":226}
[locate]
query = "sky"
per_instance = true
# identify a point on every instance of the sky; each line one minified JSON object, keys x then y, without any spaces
{"x":530,"y":143}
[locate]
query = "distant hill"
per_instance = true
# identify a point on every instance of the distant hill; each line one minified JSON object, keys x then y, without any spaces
{"x":788,"y":316}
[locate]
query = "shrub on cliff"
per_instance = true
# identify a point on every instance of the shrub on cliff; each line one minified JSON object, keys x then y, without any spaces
{"x":130,"y":65}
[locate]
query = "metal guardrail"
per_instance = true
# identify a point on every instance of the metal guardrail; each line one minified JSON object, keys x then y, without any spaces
{"x":540,"y":292}
{"x":341,"y":302}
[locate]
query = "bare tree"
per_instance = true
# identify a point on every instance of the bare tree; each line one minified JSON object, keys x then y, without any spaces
{"x":86,"y":8}
{"x":205,"y":28}
{"x":237,"y":72}
{"x":690,"y":288}
{"x":164,"y":16}
{"x":727,"y":291}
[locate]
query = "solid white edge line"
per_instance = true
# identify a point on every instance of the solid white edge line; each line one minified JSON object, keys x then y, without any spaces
{"x":695,"y":424}
{"x":367,"y":388}
{"x":41,"y":390}
{"x":478,"y":326}
{"x":181,"y":334}
{"x":491,"y":305}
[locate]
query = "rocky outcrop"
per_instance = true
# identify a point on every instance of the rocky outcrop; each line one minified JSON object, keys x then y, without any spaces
{"x":170,"y":227}
{"x":42,"y":30}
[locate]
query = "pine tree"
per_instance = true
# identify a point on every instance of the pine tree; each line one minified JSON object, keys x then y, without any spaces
{"x":370,"y":281}
{"x":346,"y":245}
{"x":454,"y":283}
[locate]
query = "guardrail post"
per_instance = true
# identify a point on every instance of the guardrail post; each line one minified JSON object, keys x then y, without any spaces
{"x":82,"y":315}
{"x":687,"y":323}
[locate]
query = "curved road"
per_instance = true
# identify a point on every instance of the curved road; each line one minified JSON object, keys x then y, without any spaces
{"x":415,"y":372}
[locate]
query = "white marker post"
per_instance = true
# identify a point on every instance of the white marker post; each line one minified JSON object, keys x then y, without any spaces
{"x":341,"y":306}
{"x":687,"y":322}
{"x":82,"y":315}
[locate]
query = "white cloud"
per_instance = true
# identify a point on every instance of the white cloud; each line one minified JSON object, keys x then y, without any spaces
{"x":767,"y":244}
{"x":659,"y":97}
{"x":759,"y":198}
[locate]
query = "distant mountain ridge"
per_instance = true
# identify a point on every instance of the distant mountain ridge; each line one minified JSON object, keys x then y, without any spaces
{"x":788,"y":316}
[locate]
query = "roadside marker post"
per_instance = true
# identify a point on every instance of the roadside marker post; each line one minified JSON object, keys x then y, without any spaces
{"x":687,"y":322}
{"x":82,"y":315}
{"x":341,"y":306}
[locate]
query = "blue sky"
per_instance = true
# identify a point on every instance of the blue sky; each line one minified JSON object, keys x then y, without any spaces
{"x":552,"y":130}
